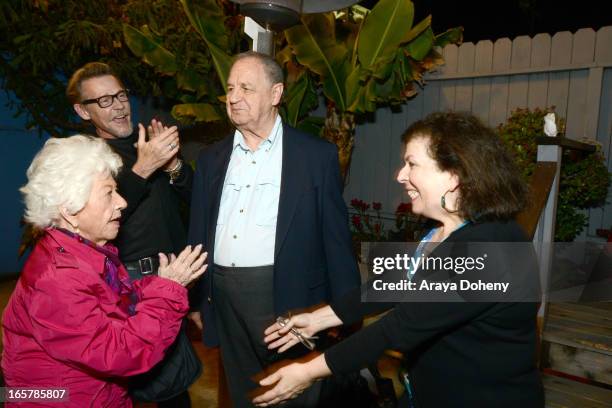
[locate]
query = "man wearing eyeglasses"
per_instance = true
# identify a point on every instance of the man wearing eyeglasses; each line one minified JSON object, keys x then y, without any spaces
{"x":153,"y":181}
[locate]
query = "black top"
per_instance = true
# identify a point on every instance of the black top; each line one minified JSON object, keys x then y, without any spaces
{"x":468,"y":354}
{"x":152,"y":221}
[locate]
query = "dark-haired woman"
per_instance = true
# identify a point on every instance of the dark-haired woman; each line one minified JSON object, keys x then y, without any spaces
{"x":460,"y":354}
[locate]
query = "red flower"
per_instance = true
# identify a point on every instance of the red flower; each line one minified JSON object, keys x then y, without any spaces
{"x":403,"y":208}
{"x":359,"y":204}
{"x":356,"y":220}
{"x":376,"y":206}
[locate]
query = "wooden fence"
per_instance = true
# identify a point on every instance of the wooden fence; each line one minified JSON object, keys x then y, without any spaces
{"x":572,"y":72}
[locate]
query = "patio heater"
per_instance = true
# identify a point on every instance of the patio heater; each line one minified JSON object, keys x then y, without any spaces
{"x":264,"y":17}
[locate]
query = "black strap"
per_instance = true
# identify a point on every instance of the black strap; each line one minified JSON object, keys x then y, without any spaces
{"x":144,"y":266}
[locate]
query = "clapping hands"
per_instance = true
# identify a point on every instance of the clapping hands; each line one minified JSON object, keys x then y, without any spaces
{"x":184,"y":268}
{"x":160,"y":150}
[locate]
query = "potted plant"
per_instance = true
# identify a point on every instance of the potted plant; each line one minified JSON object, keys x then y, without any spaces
{"x":584,"y":178}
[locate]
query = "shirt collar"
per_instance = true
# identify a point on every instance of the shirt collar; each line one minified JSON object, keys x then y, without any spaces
{"x":268,"y":142}
{"x":72,"y":253}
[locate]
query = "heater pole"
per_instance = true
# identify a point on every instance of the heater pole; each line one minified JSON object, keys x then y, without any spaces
{"x":263,"y":39}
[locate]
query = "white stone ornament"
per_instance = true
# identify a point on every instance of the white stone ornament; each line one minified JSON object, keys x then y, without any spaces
{"x":550,"y":126}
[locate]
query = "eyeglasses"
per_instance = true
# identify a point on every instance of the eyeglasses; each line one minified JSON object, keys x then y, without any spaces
{"x":107,"y":100}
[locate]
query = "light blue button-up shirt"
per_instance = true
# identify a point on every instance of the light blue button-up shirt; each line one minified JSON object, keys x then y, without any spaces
{"x":246,"y":226}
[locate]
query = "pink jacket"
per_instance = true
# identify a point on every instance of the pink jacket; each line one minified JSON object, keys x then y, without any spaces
{"x":63,"y":326}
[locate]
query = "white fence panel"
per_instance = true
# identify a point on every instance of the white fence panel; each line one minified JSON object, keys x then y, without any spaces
{"x":464,"y":87}
{"x":519,"y":84}
{"x":481,"y":101}
{"x":447,"y":92}
{"x":502,"y":56}
{"x":538,"y":83}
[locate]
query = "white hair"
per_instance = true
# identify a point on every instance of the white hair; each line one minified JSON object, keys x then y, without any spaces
{"x":61,"y":175}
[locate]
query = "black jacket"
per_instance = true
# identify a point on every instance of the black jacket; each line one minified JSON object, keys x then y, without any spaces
{"x":462,"y":354}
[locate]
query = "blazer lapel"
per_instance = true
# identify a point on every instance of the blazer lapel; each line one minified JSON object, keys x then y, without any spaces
{"x":290,"y":187}
{"x":221,"y":162}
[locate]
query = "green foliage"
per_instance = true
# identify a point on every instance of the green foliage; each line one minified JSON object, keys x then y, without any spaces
{"x":364,"y":62}
{"x":143,"y":44}
{"x":584,"y":179}
{"x":315,"y":45}
{"x":42,"y":42}
{"x":382,"y":32}
{"x":208,"y":20}
{"x":188,"y":51}
{"x":189,"y":112}
{"x":360,"y":59}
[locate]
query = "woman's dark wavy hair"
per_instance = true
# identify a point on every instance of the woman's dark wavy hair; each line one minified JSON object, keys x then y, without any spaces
{"x":491,"y":186}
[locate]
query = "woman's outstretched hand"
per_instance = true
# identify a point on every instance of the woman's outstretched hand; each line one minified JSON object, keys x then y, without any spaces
{"x":290,"y":381}
{"x":186,"y":267}
{"x":278,"y":335}
{"x":283,"y":333}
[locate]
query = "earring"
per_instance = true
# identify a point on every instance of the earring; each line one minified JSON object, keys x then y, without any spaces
{"x":443,"y":203}
{"x":76,"y":229}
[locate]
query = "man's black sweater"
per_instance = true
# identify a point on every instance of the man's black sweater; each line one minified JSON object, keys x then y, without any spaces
{"x":152,"y":221}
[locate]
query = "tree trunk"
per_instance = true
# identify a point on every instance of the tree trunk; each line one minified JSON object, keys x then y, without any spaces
{"x":340,"y":130}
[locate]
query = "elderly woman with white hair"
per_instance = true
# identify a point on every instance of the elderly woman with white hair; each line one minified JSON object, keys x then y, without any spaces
{"x":75,"y":321}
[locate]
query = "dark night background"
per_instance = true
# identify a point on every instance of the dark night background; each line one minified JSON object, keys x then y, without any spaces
{"x":493,"y":19}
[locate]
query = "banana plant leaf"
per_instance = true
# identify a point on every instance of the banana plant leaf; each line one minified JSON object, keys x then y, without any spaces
{"x":417,"y":29}
{"x":193,"y":81}
{"x":314,"y":44}
{"x":354,"y":88}
{"x":420,"y":46}
{"x":196,"y":112}
{"x":312,"y":124}
{"x":301,"y":98}
{"x":208,"y":31}
{"x":450,"y":36}
{"x":142,"y":44}
{"x":383,"y":31}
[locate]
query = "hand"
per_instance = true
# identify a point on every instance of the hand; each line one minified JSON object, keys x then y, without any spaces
{"x":290,"y":381}
{"x":155,"y":129}
{"x":196,"y":318}
{"x":277,"y":335}
{"x":185,"y":268}
{"x":161,"y":149}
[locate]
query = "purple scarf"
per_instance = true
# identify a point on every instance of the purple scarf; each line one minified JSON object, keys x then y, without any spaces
{"x":122,"y":287}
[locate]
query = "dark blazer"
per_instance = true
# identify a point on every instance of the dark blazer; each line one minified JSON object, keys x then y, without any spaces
{"x":313,"y":256}
{"x":459,"y":354}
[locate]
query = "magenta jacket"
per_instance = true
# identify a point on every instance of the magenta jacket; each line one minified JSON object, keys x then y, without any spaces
{"x":63,"y":326}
